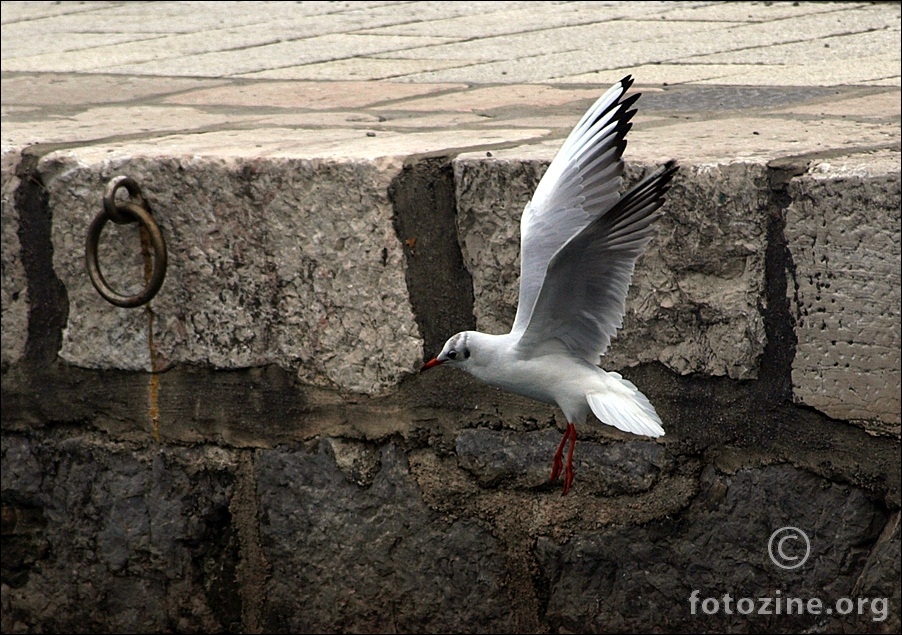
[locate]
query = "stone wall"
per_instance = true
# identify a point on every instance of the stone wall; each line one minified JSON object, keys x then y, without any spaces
{"x":255,"y":451}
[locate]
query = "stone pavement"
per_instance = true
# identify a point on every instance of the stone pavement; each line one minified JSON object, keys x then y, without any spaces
{"x":723,"y":81}
{"x":745,"y":43}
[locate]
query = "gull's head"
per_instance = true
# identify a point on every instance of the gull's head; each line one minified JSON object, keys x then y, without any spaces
{"x":456,"y":351}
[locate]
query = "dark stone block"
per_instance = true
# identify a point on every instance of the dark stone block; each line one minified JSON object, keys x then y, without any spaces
{"x":523,"y":460}
{"x":641,"y":578}
{"x":115,"y":539}
{"x":352,"y":558}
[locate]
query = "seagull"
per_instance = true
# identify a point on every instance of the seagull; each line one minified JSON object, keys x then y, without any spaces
{"x":579,"y":242}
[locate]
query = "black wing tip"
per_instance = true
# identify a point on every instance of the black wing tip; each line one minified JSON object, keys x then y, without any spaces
{"x":627,"y":84}
{"x":663,"y":178}
{"x":629,"y":101}
{"x":669,"y":171}
{"x":653,"y":187}
{"x":670,"y":168}
{"x":622,"y":113}
{"x":666,"y":180}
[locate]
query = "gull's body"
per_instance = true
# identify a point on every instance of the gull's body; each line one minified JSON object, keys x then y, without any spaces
{"x":580,"y":240}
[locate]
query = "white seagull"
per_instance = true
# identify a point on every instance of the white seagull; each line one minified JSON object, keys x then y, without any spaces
{"x":579,"y":242}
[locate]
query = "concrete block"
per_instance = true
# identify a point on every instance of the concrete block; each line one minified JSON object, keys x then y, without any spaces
{"x":14,"y":284}
{"x":694,"y":302}
{"x":842,"y":230}
{"x":271,"y":261}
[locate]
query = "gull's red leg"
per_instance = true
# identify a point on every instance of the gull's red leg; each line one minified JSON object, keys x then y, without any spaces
{"x":558,"y":463}
{"x":568,"y":471}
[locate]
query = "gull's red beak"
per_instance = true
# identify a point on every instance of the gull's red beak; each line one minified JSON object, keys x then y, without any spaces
{"x":432,"y":362}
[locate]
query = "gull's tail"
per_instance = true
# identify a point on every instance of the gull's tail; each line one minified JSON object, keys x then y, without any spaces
{"x":622,"y":405}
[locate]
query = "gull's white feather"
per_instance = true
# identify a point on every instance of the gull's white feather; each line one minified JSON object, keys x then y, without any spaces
{"x":580,"y":239}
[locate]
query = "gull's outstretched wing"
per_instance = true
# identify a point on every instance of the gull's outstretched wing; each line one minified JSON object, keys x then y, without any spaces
{"x":582,"y":301}
{"x":581,"y":184}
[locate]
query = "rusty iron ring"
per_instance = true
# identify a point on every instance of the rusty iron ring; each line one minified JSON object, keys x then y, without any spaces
{"x":109,"y":198}
{"x":131,"y":212}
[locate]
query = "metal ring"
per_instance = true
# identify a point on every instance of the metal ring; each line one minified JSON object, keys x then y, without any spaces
{"x":109,"y":198}
{"x":133,"y":213}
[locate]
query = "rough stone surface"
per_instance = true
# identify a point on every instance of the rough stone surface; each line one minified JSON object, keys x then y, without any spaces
{"x":14,"y":284}
{"x":89,"y":526}
{"x":881,"y":575}
{"x":623,"y":578}
{"x":843,"y":235}
{"x":522,"y":460}
{"x":227,"y":493}
{"x":344,"y":534}
{"x":293,"y":262}
{"x":694,"y":303}
{"x":374,"y":558}
{"x":491,"y":195}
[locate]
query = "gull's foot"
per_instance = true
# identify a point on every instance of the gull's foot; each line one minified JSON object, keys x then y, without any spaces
{"x":558,"y":464}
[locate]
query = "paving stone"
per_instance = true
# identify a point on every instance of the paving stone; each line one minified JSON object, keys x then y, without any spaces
{"x":300,"y":94}
{"x":356,"y":68}
{"x":756,"y":140}
{"x":487,"y":98}
{"x":237,"y":62}
{"x":109,"y":123}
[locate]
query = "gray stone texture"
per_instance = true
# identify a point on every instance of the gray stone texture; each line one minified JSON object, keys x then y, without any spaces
{"x":622,"y":578}
{"x":842,"y":230}
{"x":694,"y":303}
{"x":285,"y":469}
{"x":102,"y":536}
{"x":290,"y":539}
{"x":372,"y":558}
{"x":14,"y":284}
{"x":292,"y":262}
{"x":522,"y":460}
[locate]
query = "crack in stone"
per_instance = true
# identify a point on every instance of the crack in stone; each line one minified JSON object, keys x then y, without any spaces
{"x":49,"y":301}
{"x":439,"y":285}
{"x":779,"y":324}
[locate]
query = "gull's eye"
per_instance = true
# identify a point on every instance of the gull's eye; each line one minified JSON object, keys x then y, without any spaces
{"x":452,"y":354}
